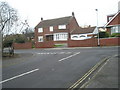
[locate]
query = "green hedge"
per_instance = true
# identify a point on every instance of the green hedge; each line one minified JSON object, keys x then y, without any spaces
{"x":115,"y":35}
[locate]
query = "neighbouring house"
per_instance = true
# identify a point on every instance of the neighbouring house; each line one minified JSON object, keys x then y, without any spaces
{"x":113,"y":23}
{"x":83,"y":33}
{"x":56,"y":30}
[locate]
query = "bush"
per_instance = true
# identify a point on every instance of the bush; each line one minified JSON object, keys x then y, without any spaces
{"x":7,"y":43}
{"x":9,"y":39}
{"x":103,"y":35}
{"x":20,"y":39}
{"x":115,"y":35}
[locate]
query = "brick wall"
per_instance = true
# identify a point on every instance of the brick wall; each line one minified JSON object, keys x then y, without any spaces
{"x":93,"y":42}
{"x":83,"y":43}
{"x":116,"y":20}
{"x":47,"y":44}
{"x":27,"y":45}
{"x":110,"y":42}
{"x":60,"y":42}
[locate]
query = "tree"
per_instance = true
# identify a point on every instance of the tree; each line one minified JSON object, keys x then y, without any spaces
{"x":8,"y":17}
{"x":20,"y":38}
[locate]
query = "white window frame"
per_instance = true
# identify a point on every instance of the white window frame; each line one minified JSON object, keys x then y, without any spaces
{"x":114,"y":29}
{"x":62,"y":27}
{"x":40,"y":38}
{"x":60,"y":36}
{"x":40,"y":30}
{"x":51,"y":28}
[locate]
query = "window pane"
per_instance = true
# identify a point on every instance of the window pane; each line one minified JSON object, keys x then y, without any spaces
{"x":51,"y":28}
{"x":40,"y":29}
{"x":62,"y":27}
{"x":40,"y":38}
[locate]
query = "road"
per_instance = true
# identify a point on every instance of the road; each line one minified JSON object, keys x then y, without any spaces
{"x":51,"y":68}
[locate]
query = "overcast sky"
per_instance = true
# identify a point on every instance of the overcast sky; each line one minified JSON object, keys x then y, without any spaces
{"x":84,"y":10}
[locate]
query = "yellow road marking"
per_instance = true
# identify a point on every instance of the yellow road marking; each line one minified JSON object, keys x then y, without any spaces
{"x":87,"y":74}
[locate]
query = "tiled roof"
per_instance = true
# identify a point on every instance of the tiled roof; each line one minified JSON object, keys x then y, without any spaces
{"x":53,"y":22}
{"x":83,"y":30}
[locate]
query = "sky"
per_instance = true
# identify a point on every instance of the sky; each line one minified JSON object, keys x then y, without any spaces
{"x":84,"y":10}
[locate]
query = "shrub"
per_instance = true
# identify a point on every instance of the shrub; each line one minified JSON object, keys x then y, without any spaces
{"x":115,"y":35}
{"x":104,"y":34}
{"x":9,"y":39}
{"x":8,"y":42}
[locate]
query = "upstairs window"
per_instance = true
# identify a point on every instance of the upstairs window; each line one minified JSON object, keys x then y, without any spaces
{"x":62,"y":27}
{"x":40,"y":30}
{"x":51,"y":28}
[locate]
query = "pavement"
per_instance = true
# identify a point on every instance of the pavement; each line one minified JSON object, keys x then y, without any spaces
{"x":106,"y":76}
{"x":69,"y":48}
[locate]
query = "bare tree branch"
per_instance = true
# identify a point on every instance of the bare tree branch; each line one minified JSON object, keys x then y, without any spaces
{"x":8,"y":16}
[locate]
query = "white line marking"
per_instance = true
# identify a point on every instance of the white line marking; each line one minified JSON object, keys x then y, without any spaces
{"x":68,"y":57}
{"x":68,"y":52}
{"x":61,"y":52}
{"x":18,"y":76}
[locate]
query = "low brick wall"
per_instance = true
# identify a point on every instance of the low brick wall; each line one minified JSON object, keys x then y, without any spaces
{"x":27,"y":45}
{"x":47,"y":44}
{"x":110,"y":42}
{"x":93,"y":42}
{"x":83,"y":43}
{"x":60,"y":42}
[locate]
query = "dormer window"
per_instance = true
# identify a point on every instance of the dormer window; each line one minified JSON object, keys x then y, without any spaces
{"x":51,"y":28}
{"x":62,"y":27}
{"x":40,"y":30}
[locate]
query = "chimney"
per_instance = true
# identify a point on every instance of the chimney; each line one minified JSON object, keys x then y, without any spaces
{"x":89,"y":26}
{"x":41,"y":18}
{"x":73,"y":14}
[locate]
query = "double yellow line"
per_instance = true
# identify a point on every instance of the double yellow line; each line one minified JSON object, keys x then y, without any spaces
{"x":87,"y":74}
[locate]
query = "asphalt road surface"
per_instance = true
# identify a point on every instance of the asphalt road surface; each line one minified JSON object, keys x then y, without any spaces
{"x":51,"y":68}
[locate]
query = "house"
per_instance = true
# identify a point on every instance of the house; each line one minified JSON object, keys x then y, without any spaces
{"x":56,"y":30}
{"x":83,"y":33}
{"x":113,"y":23}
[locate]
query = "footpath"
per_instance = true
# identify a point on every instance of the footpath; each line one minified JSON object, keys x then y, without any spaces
{"x":107,"y":76}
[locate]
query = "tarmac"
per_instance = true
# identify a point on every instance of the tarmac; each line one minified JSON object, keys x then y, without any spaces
{"x":106,"y":77}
